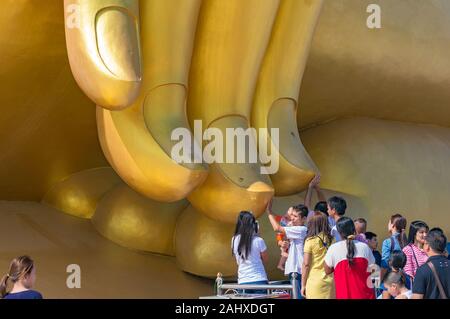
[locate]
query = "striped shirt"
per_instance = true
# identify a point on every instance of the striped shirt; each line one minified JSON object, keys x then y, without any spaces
{"x":412,"y":264}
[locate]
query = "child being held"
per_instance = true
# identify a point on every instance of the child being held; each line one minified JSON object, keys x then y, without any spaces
{"x":284,"y":221}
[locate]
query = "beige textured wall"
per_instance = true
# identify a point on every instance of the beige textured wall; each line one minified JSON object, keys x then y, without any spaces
{"x":391,"y":166}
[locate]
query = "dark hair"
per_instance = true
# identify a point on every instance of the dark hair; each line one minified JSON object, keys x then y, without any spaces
{"x":397,"y":260}
{"x":393,"y":217}
{"x":321,"y":207}
{"x":414,"y":228}
{"x":18,"y":269}
{"x":361,"y":220}
{"x":399,"y":224}
{"x":437,"y":229}
{"x":319,"y":224}
{"x":370,"y":235}
{"x":394,"y":278}
{"x":301,"y":209}
{"x":346,"y":229}
{"x":436,"y":240}
{"x":246,"y":227}
{"x":339,"y":204}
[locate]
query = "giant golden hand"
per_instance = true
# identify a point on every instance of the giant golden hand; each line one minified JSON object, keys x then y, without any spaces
{"x":153,"y":66}
{"x":139,"y":61}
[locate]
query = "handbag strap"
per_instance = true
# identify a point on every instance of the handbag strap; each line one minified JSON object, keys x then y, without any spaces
{"x":392,"y":244}
{"x":438,"y":281}
{"x":415,"y":258}
{"x":323,"y":242}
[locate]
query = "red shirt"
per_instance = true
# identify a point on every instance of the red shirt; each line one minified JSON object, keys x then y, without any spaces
{"x":351,"y":281}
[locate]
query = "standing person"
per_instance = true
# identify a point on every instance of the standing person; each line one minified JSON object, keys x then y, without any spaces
{"x":448,"y":244}
{"x":395,"y":285}
{"x":415,"y":255}
{"x":315,"y":283}
{"x":361,"y":227}
{"x":349,"y":260}
{"x":432,"y":280}
{"x":336,"y":209}
{"x":296,"y":235}
{"x":397,"y":240}
{"x":372,"y":241}
{"x":22,"y":274}
{"x":250,"y":252}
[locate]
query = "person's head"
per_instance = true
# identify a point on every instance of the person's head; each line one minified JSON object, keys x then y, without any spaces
{"x":336,"y":206}
{"x":346,"y":229}
{"x":417,"y":232}
{"x":372,"y":240}
{"x":397,"y":260}
{"x":21,"y":270}
{"x":437,"y":229}
{"x":288,"y":214}
{"x":246,"y":227}
{"x":394,"y":282}
{"x":435,"y":242}
{"x":319,"y":224}
{"x":299,"y":215}
{"x":321,"y":207}
{"x":391,"y":222}
{"x":360,"y":225}
{"x":397,"y":225}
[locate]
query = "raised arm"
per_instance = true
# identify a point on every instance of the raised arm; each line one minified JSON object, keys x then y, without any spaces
{"x":275,"y":225}
{"x":309,"y":192}
{"x":320,"y":194}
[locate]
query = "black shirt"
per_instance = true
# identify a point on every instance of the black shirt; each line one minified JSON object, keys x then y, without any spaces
{"x":377,"y":256}
{"x":424,"y":282}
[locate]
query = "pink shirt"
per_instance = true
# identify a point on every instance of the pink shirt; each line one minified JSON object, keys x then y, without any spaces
{"x":411,"y":264}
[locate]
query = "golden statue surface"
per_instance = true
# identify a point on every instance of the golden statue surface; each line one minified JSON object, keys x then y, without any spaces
{"x":91,"y":91}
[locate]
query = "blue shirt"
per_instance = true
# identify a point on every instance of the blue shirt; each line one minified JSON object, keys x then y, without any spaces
{"x":28,"y":294}
{"x":386,"y":249}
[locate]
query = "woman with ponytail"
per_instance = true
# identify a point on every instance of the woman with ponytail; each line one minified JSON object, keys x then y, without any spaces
{"x":349,"y":260}
{"x":250,"y":252}
{"x":22,"y":275}
{"x":397,"y":240}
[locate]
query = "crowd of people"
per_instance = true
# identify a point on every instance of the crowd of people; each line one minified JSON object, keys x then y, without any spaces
{"x":326,"y":254}
{"x":332,"y":256}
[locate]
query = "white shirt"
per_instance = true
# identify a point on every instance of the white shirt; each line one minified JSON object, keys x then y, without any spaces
{"x":251,"y":269}
{"x":296,"y":235}
{"x":338,"y":252}
{"x":407,"y":294}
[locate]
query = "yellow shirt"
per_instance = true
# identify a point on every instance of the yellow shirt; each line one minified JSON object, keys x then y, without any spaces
{"x":318,"y":284}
